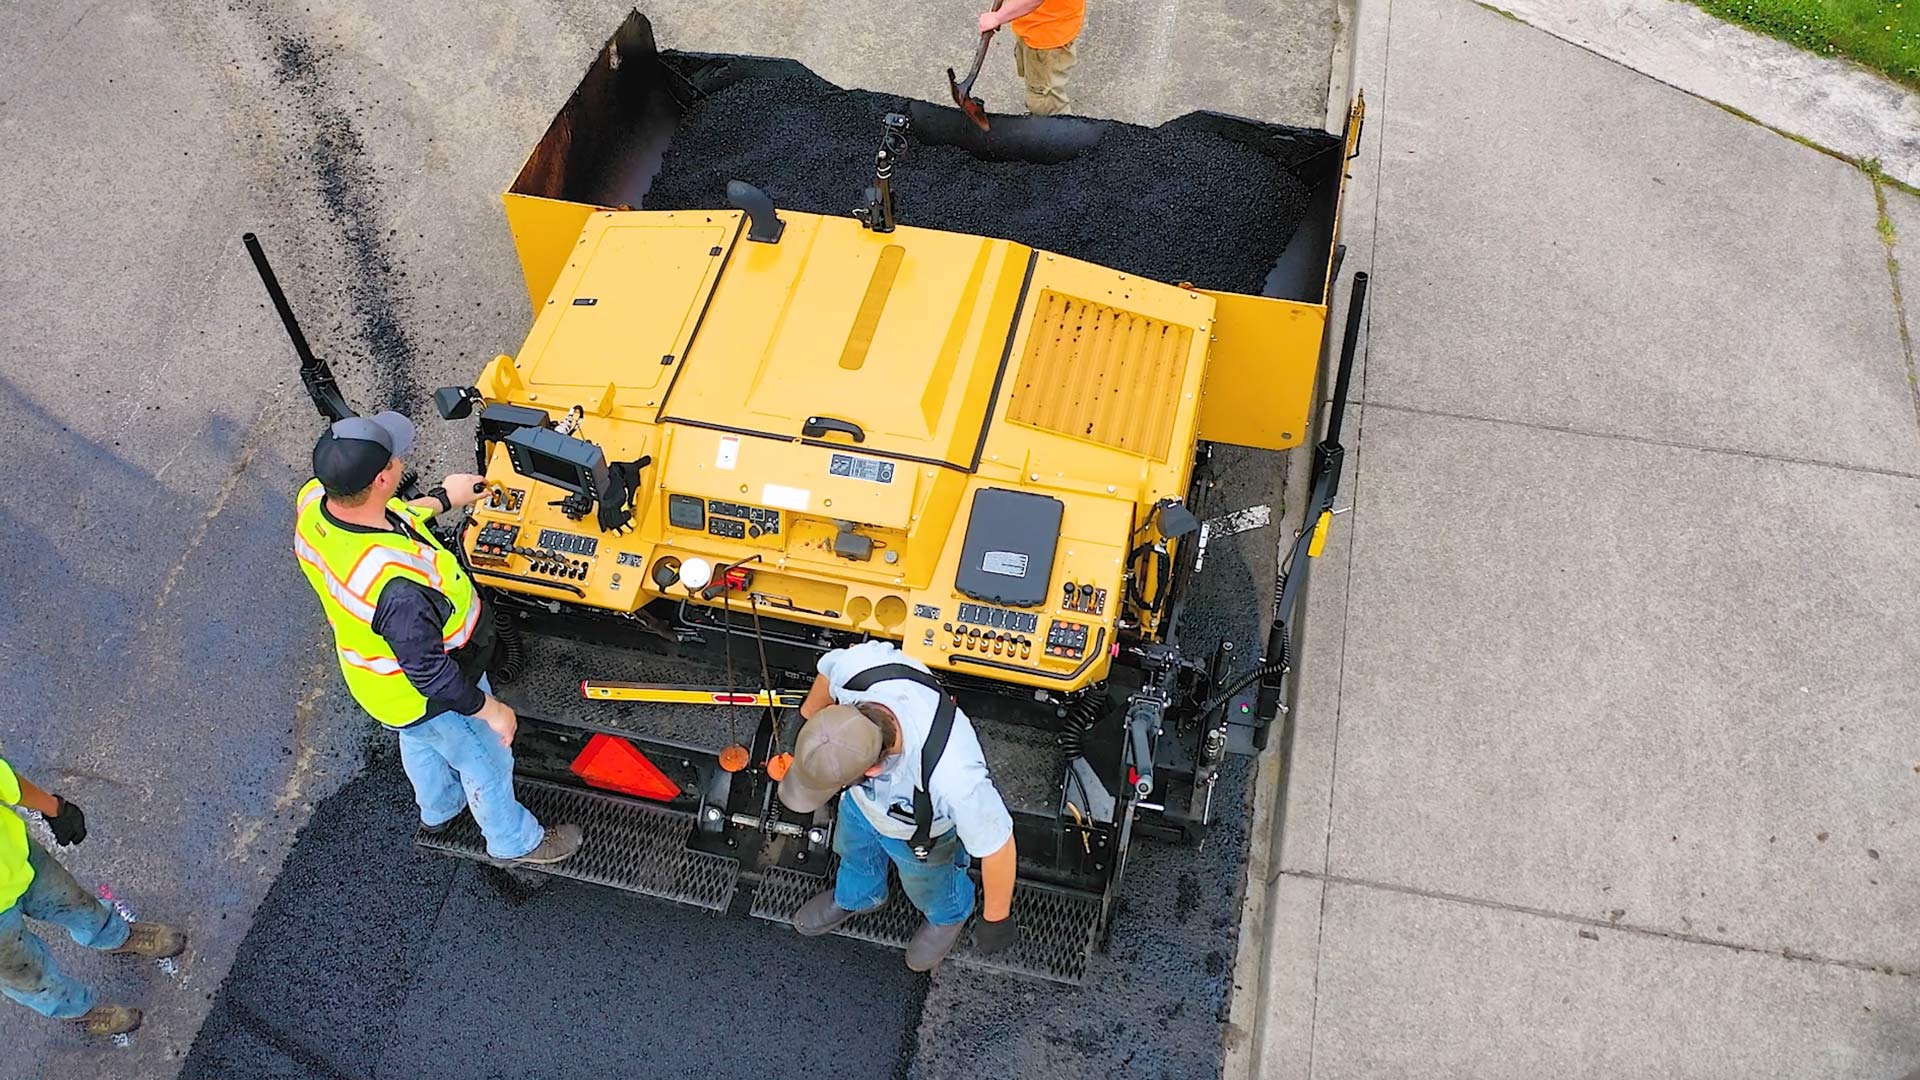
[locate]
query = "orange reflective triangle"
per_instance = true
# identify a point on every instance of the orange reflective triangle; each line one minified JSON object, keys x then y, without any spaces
{"x":617,"y":765}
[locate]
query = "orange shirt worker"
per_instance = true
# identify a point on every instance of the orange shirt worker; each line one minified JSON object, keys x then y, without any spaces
{"x":1043,"y":35}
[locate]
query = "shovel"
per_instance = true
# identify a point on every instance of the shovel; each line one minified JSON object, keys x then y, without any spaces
{"x":975,"y":109}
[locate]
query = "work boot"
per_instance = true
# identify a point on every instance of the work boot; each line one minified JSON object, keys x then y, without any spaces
{"x":155,"y":941}
{"x":821,"y":915}
{"x":931,"y":944}
{"x":558,"y":845}
{"x":108,"y":1020}
{"x":440,"y":829}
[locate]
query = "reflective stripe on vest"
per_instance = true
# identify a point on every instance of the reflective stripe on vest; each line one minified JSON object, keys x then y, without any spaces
{"x":379,"y":665}
{"x":350,"y":597}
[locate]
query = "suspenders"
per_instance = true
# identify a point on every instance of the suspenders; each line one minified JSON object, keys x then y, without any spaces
{"x":930,"y":751}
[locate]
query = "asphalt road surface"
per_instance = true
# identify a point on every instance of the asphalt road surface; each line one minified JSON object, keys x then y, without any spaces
{"x":165,"y":665}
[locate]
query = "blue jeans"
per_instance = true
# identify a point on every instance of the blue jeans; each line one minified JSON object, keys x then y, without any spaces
{"x":28,"y":974}
{"x":939,"y":887}
{"x":456,"y":762}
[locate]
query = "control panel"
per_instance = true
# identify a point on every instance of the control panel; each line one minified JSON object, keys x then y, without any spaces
{"x":496,"y":541}
{"x":553,"y":557}
{"x":1060,"y":641}
{"x":728,"y":520}
{"x":993,"y":631}
{"x":1067,"y":640}
{"x":988,"y":642}
{"x":750,"y":521}
{"x":569,"y":543}
{"x":1083,"y":598}
{"x":993,"y":618}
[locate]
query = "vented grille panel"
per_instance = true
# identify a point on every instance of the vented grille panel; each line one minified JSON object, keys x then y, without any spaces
{"x":1102,"y":374}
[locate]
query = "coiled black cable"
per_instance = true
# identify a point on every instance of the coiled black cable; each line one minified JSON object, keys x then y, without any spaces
{"x":1272,"y":666}
{"x":510,"y":649}
{"x":1082,"y":714}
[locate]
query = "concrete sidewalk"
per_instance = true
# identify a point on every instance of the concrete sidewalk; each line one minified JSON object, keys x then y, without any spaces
{"x":1605,"y":764}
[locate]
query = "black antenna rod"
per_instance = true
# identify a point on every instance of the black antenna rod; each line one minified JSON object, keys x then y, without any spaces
{"x":314,"y":372}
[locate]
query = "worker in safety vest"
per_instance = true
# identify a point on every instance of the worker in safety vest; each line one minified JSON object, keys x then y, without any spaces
{"x":1043,"y":35}
{"x":33,"y":883}
{"x":411,"y":634}
{"x":882,"y":735}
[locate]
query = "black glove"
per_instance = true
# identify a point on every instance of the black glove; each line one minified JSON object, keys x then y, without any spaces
{"x":616,"y":494}
{"x":993,"y":937}
{"x":69,"y":825}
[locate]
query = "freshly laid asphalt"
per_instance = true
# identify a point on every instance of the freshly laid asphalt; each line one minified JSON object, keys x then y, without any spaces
{"x":369,"y":959}
{"x":166,"y":668}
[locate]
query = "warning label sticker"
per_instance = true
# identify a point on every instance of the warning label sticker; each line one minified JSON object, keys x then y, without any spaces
{"x":1004,"y":563}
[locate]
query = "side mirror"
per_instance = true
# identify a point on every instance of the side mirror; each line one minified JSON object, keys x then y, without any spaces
{"x":456,"y":402}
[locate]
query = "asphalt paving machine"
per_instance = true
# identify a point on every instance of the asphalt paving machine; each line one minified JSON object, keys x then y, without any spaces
{"x":738,"y":436}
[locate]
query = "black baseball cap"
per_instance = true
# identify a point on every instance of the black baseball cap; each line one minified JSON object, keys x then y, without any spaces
{"x":353,"y":451}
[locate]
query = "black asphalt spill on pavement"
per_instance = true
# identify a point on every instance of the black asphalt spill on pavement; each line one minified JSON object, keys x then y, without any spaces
{"x":348,"y":188}
{"x":371,"y":959}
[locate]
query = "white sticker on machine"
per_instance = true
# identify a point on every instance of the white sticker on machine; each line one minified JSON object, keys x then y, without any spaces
{"x":783,"y":497}
{"x":1004,"y":563}
{"x":729,"y":453}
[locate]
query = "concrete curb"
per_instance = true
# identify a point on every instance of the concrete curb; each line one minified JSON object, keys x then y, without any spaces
{"x":1245,"y":1032}
{"x":1831,"y":104}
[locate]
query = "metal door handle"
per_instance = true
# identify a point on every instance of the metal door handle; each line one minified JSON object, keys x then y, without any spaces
{"x":817,"y":426}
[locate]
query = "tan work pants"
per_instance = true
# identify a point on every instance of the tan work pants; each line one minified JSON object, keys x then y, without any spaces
{"x":1045,"y":73}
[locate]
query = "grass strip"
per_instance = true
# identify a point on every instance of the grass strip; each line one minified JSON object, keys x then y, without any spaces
{"x":1880,"y":34}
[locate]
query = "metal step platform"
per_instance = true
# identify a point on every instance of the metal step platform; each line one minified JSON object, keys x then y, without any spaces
{"x":1056,"y":928}
{"x":642,"y":848}
{"x":628,"y":845}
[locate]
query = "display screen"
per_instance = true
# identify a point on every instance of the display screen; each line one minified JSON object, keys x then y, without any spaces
{"x":551,"y":470}
{"x":551,"y":458}
{"x":686,"y":512}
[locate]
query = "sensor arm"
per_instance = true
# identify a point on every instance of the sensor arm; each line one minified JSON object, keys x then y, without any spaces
{"x":314,"y":372}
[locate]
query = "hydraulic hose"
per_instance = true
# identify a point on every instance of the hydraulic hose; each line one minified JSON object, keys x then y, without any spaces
{"x":1162,"y":578}
{"x":1274,"y":666}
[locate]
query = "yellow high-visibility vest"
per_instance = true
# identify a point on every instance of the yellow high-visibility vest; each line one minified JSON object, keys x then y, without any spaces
{"x":16,"y":873}
{"x":347,"y":570}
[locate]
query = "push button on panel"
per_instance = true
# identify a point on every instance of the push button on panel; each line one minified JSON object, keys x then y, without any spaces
{"x":1067,"y":640}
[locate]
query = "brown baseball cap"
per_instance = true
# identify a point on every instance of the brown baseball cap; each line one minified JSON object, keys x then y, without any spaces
{"x":833,"y":752}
